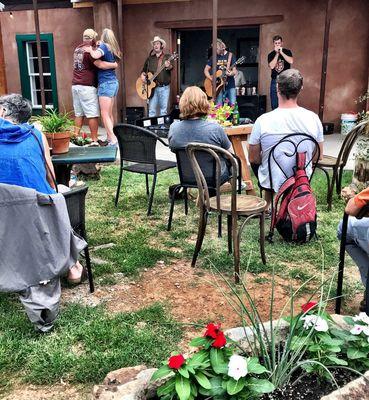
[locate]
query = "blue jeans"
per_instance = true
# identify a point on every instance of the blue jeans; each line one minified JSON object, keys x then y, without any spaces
{"x":357,"y":243}
{"x":273,"y":94}
{"x":229,"y":93}
{"x":160,"y":98}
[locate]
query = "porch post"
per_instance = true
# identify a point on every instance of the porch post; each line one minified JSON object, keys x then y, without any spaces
{"x":121,"y":66}
{"x":214,"y":53}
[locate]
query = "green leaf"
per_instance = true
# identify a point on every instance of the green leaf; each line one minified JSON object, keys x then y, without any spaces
{"x":337,"y":360}
{"x":217,"y":361}
{"x":260,"y":385}
{"x":254,"y":367}
{"x":326,"y":339}
{"x":234,"y":386}
{"x":198,"y":359}
{"x":184,"y":372}
{"x":167,"y":388}
{"x":203,"y":380}
{"x":217,"y":387}
{"x":354,"y":354}
{"x":349,"y":320}
{"x":199,"y":341}
{"x":161,"y":372}
{"x":183,"y":387}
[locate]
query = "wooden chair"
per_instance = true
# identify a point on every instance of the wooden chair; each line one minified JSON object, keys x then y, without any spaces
{"x":337,"y":164}
{"x":138,"y":146}
{"x":76,"y":200}
{"x":233,"y":205}
{"x":364,"y":212}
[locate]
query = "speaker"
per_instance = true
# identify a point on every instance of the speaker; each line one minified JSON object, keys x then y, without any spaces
{"x":134,"y":113}
{"x":251,"y":106}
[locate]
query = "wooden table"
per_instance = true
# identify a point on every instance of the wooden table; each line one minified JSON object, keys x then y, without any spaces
{"x":237,"y":135}
{"x":80,"y":155}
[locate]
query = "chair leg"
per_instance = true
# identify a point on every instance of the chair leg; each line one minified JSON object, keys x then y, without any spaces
{"x":262,"y":237}
{"x":89,"y":270}
{"x":185,"y":200}
{"x":339,"y":181}
{"x":172,"y":200}
{"x":341,"y":264}
{"x":151,"y":194}
{"x":236,"y":238}
{"x":219,"y":225}
{"x":200,"y":235}
{"x":229,"y":230}
{"x":147,"y":184}
{"x":119,"y":186}
{"x":329,"y":188}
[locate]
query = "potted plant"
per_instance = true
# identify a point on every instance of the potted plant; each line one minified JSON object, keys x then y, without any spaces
{"x":56,"y":127}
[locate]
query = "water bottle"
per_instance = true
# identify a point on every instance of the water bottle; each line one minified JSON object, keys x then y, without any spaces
{"x":236,"y":115}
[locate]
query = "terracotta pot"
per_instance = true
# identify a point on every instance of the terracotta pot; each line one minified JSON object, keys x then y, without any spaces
{"x":58,"y":142}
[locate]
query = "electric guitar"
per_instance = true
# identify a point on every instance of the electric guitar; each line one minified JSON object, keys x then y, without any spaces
{"x":145,"y":89}
{"x":221,"y":78}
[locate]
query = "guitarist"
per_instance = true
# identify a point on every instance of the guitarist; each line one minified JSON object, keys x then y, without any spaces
{"x":224,"y":60}
{"x":162,"y":90}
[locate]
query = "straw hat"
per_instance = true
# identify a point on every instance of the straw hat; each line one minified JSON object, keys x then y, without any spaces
{"x":90,"y":33}
{"x":158,"y":39}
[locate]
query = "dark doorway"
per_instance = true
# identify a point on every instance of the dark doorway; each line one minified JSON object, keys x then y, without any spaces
{"x":194,"y":53}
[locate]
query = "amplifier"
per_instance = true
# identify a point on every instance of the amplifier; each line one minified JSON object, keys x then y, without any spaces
{"x":251,"y":106}
{"x":134,"y":113}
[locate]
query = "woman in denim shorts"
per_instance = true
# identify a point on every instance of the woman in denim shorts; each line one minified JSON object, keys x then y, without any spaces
{"x":108,"y":85}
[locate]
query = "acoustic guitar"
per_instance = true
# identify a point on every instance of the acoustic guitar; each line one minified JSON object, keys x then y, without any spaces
{"x":221,"y":78}
{"x":145,"y":89}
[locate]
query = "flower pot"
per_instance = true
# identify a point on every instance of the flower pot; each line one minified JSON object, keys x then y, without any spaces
{"x":58,"y":142}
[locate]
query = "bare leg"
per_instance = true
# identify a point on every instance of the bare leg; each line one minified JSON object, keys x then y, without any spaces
{"x":268,"y":198}
{"x":105,"y":109}
{"x":93,"y":124}
{"x":78,"y":122}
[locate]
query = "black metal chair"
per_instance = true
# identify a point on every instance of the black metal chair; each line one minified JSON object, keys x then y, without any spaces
{"x":76,"y":200}
{"x":138,"y":147}
{"x":364,"y":212}
{"x":233,"y":205}
{"x":337,"y":164}
{"x":285,"y":151}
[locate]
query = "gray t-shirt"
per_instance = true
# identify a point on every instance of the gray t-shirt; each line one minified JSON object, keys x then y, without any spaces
{"x":200,"y":131}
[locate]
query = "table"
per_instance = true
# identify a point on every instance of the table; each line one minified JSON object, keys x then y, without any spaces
{"x":237,"y":135}
{"x":80,"y":155}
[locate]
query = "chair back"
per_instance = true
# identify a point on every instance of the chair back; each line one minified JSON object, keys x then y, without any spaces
{"x":283,"y":155}
{"x":199,"y":155}
{"x":76,"y":200}
{"x":136,"y":144}
{"x":349,"y":142}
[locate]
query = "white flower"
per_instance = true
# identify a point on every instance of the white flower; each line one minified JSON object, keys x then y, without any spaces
{"x":366,"y":330}
{"x":362,"y":317}
{"x":317,"y":322}
{"x":357,"y":329}
{"x":237,"y":367}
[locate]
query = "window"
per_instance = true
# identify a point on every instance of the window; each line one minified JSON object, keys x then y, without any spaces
{"x":30,"y":74}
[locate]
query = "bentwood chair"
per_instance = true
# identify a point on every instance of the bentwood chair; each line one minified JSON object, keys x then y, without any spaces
{"x":337,"y":164}
{"x":233,"y":205}
{"x":76,"y":200}
{"x":364,"y":212}
{"x":138,"y":147}
{"x":283,"y":156}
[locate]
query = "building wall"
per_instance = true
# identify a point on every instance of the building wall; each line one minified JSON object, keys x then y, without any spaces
{"x":302,"y":30}
{"x":66,"y":25}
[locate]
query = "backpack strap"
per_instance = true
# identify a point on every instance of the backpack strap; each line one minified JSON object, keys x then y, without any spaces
{"x":300,"y":161}
{"x":283,"y":190}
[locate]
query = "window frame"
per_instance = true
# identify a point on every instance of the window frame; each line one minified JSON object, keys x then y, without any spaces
{"x":24,"y":68}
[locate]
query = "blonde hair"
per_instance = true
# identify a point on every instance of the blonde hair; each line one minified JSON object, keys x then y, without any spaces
{"x":193,"y":103}
{"x":108,"y":37}
{"x":90,"y":33}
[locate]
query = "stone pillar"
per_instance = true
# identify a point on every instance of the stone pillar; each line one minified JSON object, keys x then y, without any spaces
{"x":105,"y":16}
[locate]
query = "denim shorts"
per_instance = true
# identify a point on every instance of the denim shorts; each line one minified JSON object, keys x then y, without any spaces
{"x":108,"y":89}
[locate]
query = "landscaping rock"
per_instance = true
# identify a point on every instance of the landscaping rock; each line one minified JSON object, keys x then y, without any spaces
{"x":355,"y":390}
{"x":131,"y":383}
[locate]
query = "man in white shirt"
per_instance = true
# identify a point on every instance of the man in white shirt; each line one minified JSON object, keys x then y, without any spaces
{"x":271,"y":127}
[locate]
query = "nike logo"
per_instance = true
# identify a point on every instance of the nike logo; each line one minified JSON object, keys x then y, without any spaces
{"x":299,"y":208}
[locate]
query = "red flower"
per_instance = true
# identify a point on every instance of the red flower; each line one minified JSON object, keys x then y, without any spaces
{"x":212,"y":330}
{"x":220,"y":341}
{"x":176,"y":362}
{"x":308,"y":306}
{"x":84,"y":135}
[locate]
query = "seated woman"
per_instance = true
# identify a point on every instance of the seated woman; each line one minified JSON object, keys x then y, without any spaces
{"x":24,"y":155}
{"x":194,"y":106}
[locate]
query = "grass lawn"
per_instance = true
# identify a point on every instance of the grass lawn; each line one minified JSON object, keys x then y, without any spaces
{"x":88,"y":341}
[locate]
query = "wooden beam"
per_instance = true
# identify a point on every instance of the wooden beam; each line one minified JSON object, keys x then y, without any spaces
{"x":41,"y":6}
{"x":125,"y":2}
{"x":222,"y":22}
{"x":214,"y":49}
{"x":83,"y":4}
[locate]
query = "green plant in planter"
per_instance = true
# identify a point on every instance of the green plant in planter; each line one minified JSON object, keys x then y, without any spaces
{"x":54,"y":122}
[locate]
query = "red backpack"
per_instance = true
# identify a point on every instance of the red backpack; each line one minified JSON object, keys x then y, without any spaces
{"x":295,"y":218}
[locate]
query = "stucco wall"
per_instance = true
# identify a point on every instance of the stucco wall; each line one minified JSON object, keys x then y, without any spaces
{"x":66,"y":25}
{"x":302,"y":30}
